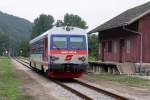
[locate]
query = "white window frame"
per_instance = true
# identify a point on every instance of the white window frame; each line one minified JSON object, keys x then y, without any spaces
{"x":128,"y":46}
{"x":115,"y":46}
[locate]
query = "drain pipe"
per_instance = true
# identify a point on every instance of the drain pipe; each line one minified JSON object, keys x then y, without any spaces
{"x":141,"y":43}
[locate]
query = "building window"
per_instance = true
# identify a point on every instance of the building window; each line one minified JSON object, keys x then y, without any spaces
{"x":115,"y":46}
{"x":128,"y":46}
{"x":122,"y":42}
{"x":109,"y":46}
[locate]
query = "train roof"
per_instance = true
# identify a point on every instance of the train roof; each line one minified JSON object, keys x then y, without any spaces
{"x":60,"y":30}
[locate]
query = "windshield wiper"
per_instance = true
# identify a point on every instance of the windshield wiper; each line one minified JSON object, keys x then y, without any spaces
{"x":57,"y":47}
{"x":78,"y":48}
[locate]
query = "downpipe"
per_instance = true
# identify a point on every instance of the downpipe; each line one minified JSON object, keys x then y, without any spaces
{"x":141,"y":44}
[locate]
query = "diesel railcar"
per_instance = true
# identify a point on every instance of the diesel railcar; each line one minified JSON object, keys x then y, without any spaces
{"x":61,"y":52}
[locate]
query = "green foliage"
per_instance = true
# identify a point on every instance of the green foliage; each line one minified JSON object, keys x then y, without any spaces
{"x":93,"y":46}
{"x":45,"y":22}
{"x":90,"y":58}
{"x":42,"y":24}
{"x":74,"y":20}
{"x":9,"y":85}
{"x":59,"y":23}
{"x":4,"y":43}
{"x":16,"y":28}
{"x":24,"y":48}
{"x":12,"y":30}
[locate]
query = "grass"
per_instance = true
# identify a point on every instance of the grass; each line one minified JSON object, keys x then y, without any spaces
{"x":124,"y":79}
{"x":91,"y":59}
{"x":9,"y":89}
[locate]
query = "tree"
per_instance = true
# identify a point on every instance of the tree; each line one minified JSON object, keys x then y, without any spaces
{"x":4,"y":43}
{"x":24,"y":48}
{"x":93,"y":46}
{"x":59,"y":23}
{"x":74,"y":20}
{"x":42,"y":24}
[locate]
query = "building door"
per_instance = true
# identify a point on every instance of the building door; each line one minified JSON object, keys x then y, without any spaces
{"x":121,"y":50}
{"x":46,"y":49}
{"x":103,"y":49}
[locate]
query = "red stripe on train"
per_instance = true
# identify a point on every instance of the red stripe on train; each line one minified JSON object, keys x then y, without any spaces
{"x":79,"y":52}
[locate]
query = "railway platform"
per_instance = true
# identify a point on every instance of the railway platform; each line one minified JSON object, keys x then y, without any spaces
{"x":112,"y":67}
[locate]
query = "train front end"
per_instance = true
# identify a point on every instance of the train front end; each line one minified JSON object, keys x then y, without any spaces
{"x":68,"y":55}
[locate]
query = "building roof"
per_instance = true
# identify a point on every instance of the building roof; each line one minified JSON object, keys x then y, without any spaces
{"x":127,"y":17}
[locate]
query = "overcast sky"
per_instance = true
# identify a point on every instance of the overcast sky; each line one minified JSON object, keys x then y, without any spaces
{"x":94,"y":12}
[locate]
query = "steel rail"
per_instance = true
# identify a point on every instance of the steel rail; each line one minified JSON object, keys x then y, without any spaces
{"x":108,"y":93}
{"x":85,"y":97}
{"x":23,"y":63}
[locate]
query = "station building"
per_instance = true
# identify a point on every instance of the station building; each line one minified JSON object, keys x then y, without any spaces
{"x":126,"y":37}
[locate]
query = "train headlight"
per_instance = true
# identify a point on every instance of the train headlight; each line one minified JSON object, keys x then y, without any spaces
{"x":53,"y":58}
{"x":82,"y":58}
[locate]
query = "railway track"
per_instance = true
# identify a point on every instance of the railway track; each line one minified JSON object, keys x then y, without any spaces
{"x":113,"y":95}
{"x":82,"y":89}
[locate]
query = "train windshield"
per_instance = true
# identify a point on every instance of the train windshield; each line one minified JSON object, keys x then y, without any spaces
{"x":59,"y":42}
{"x":71,"y":42}
{"x":77,"y":42}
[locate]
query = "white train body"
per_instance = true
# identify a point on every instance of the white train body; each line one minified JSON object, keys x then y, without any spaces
{"x":61,"y":52}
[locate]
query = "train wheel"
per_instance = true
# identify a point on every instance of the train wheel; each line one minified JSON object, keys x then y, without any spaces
{"x":30,"y":64}
{"x":35,"y":68}
{"x":46,"y":73}
{"x":34,"y":65}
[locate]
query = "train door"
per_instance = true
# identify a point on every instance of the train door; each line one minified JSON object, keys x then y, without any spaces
{"x":121,"y":50}
{"x":46,"y":49}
